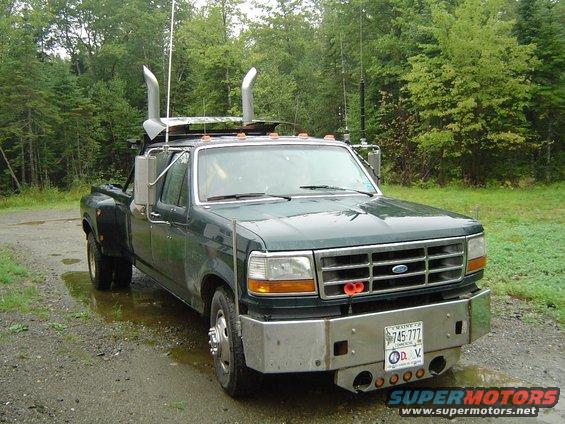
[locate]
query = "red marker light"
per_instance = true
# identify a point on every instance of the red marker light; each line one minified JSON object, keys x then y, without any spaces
{"x":349,"y":289}
{"x":353,"y":288}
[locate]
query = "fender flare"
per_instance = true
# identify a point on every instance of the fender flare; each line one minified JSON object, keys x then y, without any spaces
{"x":88,"y":226}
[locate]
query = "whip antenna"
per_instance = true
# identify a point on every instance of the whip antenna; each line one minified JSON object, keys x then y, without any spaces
{"x":169,"y":70}
{"x":346,"y":133}
{"x":363,"y":136}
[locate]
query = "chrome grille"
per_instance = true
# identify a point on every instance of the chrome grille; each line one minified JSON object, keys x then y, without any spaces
{"x":427,"y":263}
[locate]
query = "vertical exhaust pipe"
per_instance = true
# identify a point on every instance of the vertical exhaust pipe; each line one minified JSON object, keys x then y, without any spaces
{"x":152,"y":94}
{"x":247,"y":96}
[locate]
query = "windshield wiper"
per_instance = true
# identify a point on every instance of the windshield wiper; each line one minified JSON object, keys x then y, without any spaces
{"x":329,"y":187}
{"x":244,"y":195}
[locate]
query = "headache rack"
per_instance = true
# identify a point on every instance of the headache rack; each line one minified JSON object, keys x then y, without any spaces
{"x":196,"y":130}
{"x":422,"y":264}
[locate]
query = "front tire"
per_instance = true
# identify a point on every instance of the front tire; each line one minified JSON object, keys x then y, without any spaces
{"x":227,"y":348}
{"x":100,"y":266}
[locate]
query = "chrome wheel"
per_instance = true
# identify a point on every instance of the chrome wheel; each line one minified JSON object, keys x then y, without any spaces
{"x":219,"y":342}
{"x":91,"y":262}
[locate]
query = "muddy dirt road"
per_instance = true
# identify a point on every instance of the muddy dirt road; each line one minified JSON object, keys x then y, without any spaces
{"x":141,"y":356}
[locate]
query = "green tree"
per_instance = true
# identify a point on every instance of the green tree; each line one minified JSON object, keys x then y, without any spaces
{"x":542,"y":23}
{"x":73,"y":150}
{"x":471,"y":87}
{"x":28,"y":116}
{"x":207,"y":61}
{"x":117,"y":121}
{"x":286,"y":49}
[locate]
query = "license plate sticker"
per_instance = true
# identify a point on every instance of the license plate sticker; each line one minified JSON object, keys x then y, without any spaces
{"x":404,"y":346}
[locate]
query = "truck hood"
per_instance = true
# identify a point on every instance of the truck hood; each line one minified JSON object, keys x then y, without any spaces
{"x":342,"y":221}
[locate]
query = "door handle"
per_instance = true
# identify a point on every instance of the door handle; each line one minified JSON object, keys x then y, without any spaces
{"x":155,"y":215}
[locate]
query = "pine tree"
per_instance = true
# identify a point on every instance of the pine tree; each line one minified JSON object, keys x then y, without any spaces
{"x":541,"y":22}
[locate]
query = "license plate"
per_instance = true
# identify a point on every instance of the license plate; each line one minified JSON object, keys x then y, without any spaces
{"x":404,"y":346}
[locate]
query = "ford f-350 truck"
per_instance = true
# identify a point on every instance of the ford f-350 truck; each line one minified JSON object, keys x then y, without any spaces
{"x":290,"y":250}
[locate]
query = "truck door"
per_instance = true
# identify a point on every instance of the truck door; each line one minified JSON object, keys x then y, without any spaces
{"x":140,"y":228}
{"x":168,"y":253}
{"x":178,"y":234}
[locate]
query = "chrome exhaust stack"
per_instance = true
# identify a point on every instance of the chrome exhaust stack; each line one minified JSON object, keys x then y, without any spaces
{"x":153,"y":111}
{"x":247,"y":96}
{"x":155,"y":124}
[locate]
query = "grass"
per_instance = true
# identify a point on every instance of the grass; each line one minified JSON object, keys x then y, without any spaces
{"x":57,"y":326}
{"x":525,"y":231}
{"x":17,"y":328}
{"x":10,"y":271}
{"x":35,"y":198}
{"x":17,"y":285}
{"x":179,"y":405}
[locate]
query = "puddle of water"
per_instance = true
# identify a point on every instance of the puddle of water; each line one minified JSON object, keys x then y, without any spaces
{"x":31,"y":223}
{"x":472,"y":376}
{"x":200,"y":358}
{"x":146,"y":304}
{"x":43,"y":222}
{"x":140,"y":304}
{"x":70,"y":261}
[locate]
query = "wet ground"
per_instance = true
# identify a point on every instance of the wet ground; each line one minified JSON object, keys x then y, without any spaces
{"x":140,"y":355}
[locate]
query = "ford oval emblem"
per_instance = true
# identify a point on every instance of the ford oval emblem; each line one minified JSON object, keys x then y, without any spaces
{"x":399,"y":269}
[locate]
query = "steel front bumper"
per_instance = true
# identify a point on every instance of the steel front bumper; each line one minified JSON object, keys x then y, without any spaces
{"x":308,"y":345}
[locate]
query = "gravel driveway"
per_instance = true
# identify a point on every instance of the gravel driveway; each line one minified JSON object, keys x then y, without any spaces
{"x":141,"y":356}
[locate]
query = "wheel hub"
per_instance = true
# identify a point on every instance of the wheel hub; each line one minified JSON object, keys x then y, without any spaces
{"x":219,"y":341}
{"x":214,"y":341}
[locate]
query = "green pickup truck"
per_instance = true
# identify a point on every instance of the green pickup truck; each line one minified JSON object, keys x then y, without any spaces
{"x":290,"y":250}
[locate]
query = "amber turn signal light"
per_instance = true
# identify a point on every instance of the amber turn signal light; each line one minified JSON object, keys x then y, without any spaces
{"x":407,"y":375}
{"x":420,"y":373}
{"x":280,"y":286}
{"x":476,"y":264}
{"x":393,"y":379}
{"x":379,"y":382}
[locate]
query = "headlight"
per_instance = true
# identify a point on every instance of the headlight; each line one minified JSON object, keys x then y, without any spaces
{"x":476,"y":253}
{"x":280,"y":273}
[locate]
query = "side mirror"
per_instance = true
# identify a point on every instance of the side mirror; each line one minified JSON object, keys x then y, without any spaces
{"x":374,"y":160}
{"x":145,"y":174}
{"x":134,"y":143}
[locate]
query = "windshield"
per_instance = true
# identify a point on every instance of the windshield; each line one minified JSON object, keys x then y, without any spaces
{"x":278,"y":170}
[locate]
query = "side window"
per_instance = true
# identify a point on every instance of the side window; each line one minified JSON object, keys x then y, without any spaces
{"x":175,"y":189}
{"x":183,"y":196}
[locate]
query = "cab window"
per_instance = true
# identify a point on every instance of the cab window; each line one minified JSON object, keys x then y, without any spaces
{"x":175,"y":187}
